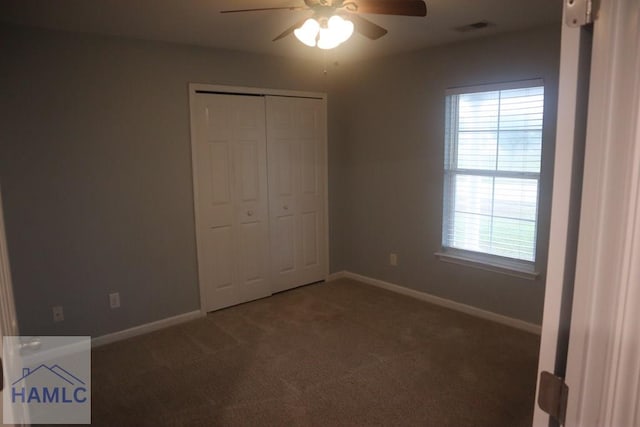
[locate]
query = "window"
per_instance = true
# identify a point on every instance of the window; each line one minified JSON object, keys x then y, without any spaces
{"x":493,"y":145}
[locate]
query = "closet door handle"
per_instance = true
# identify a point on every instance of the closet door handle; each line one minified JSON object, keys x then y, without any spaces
{"x":285,"y":207}
{"x":249,"y":213}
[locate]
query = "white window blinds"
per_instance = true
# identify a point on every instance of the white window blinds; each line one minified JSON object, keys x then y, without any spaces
{"x":492,"y":171}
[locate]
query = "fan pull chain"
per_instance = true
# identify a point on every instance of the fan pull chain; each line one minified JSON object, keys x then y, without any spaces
{"x":324,"y":58}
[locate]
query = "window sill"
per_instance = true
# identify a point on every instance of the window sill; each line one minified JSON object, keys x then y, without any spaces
{"x":521,"y":271}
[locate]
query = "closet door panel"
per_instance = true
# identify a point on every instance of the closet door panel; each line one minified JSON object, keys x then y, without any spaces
{"x":282,"y":166}
{"x":232,"y":199}
{"x":295,"y":138}
{"x":310,"y":243}
{"x":219,"y":240}
{"x":252,"y":198}
{"x":283,"y":255}
{"x":252,"y":266}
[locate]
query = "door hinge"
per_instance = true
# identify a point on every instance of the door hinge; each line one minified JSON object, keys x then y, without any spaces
{"x":552,"y":396}
{"x":580,"y":12}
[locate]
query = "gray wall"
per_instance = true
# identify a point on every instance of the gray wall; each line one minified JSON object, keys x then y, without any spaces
{"x":96,"y":173}
{"x":391,"y":164}
{"x":95,"y":167}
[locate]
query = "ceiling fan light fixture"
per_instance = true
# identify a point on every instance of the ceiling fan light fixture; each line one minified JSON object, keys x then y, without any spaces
{"x":341,"y":28}
{"x":326,"y":33}
{"x":327,"y":39}
{"x":308,"y":32}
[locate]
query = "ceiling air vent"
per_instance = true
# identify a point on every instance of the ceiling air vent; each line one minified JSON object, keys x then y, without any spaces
{"x":480,"y":25}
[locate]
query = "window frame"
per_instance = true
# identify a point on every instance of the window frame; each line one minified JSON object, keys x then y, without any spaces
{"x":486,"y":261}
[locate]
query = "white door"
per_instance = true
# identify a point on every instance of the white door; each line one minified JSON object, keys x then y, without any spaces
{"x":8,"y":321}
{"x":297,"y":177}
{"x":597,"y":317}
{"x":565,"y":208}
{"x":603,"y":364}
{"x":229,"y":149}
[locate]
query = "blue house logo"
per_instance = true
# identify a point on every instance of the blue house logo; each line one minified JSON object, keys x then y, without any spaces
{"x":47,"y":385}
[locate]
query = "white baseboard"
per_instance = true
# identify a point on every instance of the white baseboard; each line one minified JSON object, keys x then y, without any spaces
{"x":335,"y":276}
{"x":146,"y":328}
{"x":473,"y":311}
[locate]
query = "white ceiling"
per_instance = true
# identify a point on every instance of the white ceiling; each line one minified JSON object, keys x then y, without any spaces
{"x":198,"y":22}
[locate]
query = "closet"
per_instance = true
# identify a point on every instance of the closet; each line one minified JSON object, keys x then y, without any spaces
{"x":260,"y":172}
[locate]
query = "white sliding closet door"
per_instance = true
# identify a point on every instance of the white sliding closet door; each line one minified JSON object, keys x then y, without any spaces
{"x":297,"y":177}
{"x":231,"y":198}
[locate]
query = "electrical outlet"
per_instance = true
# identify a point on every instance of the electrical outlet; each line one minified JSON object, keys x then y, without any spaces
{"x":58,"y":313}
{"x":393,"y":259}
{"x":114,"y":300}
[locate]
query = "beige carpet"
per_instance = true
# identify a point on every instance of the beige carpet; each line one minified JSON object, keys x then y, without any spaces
{"x":340,"y":353}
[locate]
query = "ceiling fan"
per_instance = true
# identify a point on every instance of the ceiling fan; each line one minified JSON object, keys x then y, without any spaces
{"x":333,"y":21}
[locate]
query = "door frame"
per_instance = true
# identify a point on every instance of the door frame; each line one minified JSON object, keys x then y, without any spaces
{"x":564,"y":207}
{"x":244,"y":90}
{"x":8,"y":317}
{"x":603,"y":368}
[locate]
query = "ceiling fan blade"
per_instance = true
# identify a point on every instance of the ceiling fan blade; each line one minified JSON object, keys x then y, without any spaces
{"x":290,"y":30}
{"x":366,"y":27}
{"x":265,"y":8}
{"x":392,"y":7}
